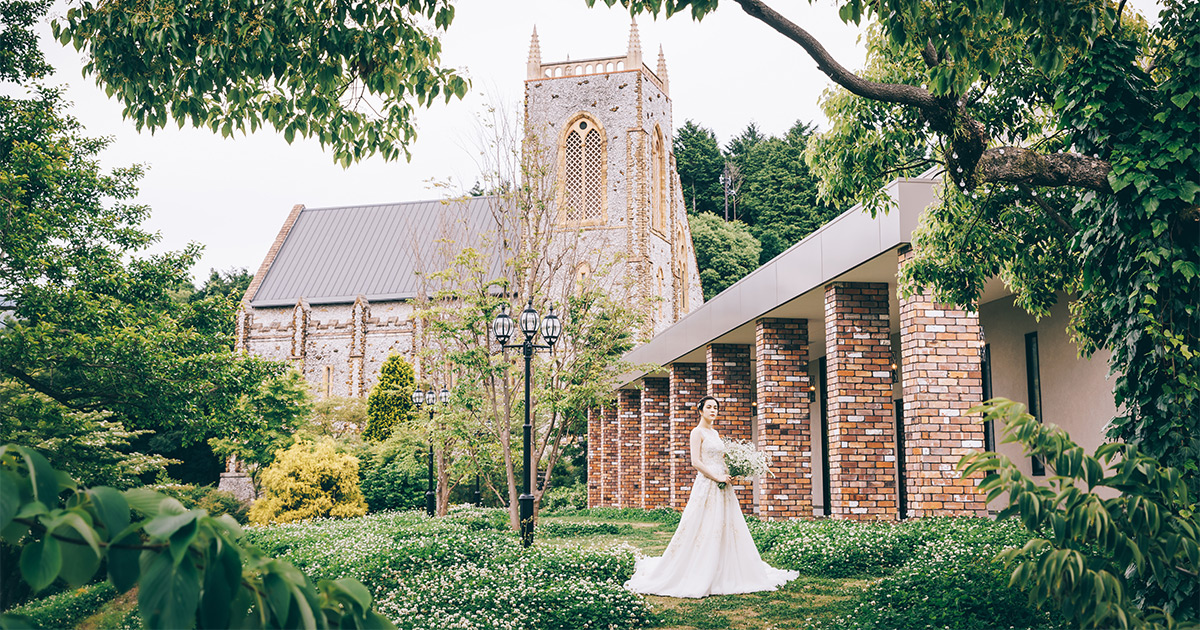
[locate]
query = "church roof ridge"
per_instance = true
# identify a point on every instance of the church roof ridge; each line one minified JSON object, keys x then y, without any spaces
{"x":444,"y":200}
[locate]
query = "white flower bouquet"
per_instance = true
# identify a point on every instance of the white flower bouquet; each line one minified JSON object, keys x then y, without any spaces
{"x":744,"y":461}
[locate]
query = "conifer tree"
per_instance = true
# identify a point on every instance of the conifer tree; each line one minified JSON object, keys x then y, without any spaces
{"x":390,"y":402}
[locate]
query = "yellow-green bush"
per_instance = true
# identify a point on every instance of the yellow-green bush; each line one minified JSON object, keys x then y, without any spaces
{"x":309,"y":480}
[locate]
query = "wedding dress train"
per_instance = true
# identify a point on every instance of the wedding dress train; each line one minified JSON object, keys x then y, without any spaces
{"x":711,"y":552}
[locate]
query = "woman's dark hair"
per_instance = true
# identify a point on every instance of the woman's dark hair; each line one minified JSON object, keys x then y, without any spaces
{"x":700,"y":405}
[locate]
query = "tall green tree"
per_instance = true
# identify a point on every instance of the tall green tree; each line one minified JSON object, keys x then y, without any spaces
{"x":725,"y":251}
{"x":699,"y":162}
{"x":231,"y":283}
{"x":779,"y":195}
{"x":390,"y":402}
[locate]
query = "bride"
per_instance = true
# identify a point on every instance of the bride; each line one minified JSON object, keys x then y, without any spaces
{"x":711,"y":552}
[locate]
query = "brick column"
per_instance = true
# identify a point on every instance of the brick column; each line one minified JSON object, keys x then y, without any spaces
{"x":729,"y":382}
{"x":608,"y":464}
{"x":941,"y":360}
{"x":594,"y":456}
{"x":629,"y":437}
{"x":862,"y":434}
{"x":656,"y":437}
{"x":783,"y":419}
{"x":688,"y":385}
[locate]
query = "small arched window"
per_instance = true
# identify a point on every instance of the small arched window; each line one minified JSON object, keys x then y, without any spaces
{"x":658,"y":164}
{"x":583,"y":275}
{"x":582,"y":172}
{"x":662,"y":298}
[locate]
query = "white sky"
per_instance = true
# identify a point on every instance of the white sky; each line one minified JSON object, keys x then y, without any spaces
{"x":232,"y":195}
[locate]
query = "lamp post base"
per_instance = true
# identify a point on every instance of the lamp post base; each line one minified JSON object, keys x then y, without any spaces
{"x":526,"y":503}
{"x":430,"y":503}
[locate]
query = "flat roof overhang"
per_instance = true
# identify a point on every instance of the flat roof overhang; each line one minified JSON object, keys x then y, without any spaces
{"x":854,"y":247}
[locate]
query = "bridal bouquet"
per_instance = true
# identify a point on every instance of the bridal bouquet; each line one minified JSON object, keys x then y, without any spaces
{"x":743,"y":460}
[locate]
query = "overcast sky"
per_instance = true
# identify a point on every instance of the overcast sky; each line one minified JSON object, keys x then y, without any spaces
{"x":232,"y":195}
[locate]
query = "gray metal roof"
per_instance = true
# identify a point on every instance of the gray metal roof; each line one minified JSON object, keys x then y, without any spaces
{"x":333,"y":255}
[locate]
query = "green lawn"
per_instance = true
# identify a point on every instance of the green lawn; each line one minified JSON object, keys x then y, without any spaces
{"x":467,"y":570}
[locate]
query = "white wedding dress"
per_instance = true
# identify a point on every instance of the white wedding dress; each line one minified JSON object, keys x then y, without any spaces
{"x":711,"y":552}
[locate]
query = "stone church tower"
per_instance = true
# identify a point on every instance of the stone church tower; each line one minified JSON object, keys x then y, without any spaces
{"x":606,"y":126}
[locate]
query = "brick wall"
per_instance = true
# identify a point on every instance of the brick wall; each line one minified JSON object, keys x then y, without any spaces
{"x":688,"y":385}
{"x":730,"y":383}
{"x":781,"y":356}
{"x":941,"y":357}
{"x":608,"y":464}
{"x":629,"y":458}
{"x":656,"y":436}
{"x":862,"y":435}
{"x":594,"y":456}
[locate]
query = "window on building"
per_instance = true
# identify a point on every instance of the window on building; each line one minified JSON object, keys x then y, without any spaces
{"x":583,"y":173}
{"x":583,"y":274}
{"x":989,"y":431}
{"x":1033,"y":376}
{"x":327,"y":385}
{"x":658,"y":191}
{"x":660,"y":309}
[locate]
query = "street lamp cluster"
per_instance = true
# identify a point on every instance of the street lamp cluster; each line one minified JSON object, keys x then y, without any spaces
{"x":551,"y":329}
{"x":502,"y":327}
{"x":431,"y":399}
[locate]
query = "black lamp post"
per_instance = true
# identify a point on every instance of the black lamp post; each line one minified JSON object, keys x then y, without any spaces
{"x":551,"y":328}
{"x":419,"y":398}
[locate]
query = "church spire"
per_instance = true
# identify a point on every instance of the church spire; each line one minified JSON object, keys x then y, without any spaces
{"x":534,"y":67}
{"x":662,"y":68}
{"x":633,"y":59}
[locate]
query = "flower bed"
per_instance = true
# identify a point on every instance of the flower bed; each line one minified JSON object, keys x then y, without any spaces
{"x":455,"y":572}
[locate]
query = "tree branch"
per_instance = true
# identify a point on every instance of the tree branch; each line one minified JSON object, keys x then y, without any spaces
{"x":886,"y":92}
{"x":968,"y":138}
{"x":1058,"y":218}
{"x":1015,"y":165}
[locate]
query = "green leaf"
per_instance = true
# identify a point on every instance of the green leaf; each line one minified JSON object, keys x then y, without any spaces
{"x":1181,"y":100}
{"x":80,"y":563}
{"x":42,"y":476}
{"x":123,"y":565}
{"x":112,"y":510}
{"x":164,"y":526}
{"x":181,"y":539}
{"x":145,"y":500}
{"x":41,"y":561}
{"x":10,"y":497}
{"x":222,"y":578}
{"x":169,"y":592}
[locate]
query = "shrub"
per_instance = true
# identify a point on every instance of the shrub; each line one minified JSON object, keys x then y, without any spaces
{"x":309,"y":480}
{"x":560,"y":529}
{"x":1128,"y":560}
{"x":663,"y":515}
{"x":216,"y":502}
{"x":390,"y":401}
{"x":559,"y":499}
{"x":390,"y":477}
{"x":459,"y":572}
{"x":68,"y":608}
{"x":950,"y":584}
{"x":843,"y":548}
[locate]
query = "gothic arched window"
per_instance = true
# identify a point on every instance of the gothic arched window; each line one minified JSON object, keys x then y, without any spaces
{"x":659,"y":211}
{"x":582,"y":172}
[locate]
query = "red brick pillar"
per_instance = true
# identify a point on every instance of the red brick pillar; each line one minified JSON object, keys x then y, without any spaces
{"x":656,"y":437}
{"x":862,"y":434}
{"x":783,"y":420}
{"x":629,"y":458}
{"x":688,"y":385}
{"x":729,"y":382}
{"x":608,"y":454}
{"x":594,"y":456}
{"x":941,"y":360}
